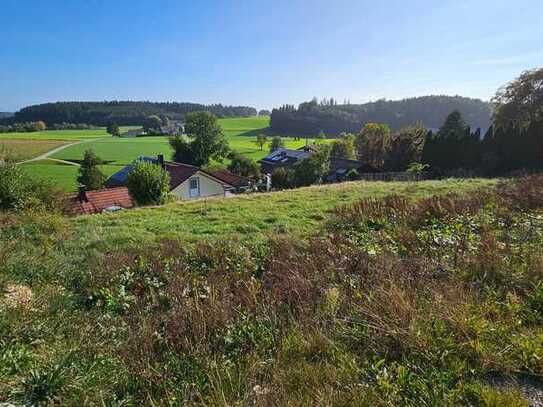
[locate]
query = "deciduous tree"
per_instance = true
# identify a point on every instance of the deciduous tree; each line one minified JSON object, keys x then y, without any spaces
{"x":89,"y":172}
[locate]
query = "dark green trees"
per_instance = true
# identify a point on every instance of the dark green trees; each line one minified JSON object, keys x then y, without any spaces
{"x":454,"y":146}
{"x":89,"y":172}
{"x":243,"y":166}
{"x":520,"y":103}
{"x":205,"y":142}
{"x":277,"y":142}
{"x":113,"y":129}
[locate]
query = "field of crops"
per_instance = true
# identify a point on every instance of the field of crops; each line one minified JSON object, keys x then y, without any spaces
{"x":117,"y":152}
{"x":21,"y":149}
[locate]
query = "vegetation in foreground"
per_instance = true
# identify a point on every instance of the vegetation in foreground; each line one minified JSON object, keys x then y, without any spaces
{"x":389,"y":302}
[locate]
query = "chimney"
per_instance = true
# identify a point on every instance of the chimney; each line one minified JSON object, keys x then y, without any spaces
{"x":160,"y":158}
{"x":83,"y":193}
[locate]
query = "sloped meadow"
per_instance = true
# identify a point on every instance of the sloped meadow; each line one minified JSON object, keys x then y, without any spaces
{"x":393,"y":301}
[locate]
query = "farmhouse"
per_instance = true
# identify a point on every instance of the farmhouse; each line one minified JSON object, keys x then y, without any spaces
{"x":186,"y":181}
{"x":105,"y":200}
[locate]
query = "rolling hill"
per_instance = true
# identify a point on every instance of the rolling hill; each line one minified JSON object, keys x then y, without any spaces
{"x":431,"y":111}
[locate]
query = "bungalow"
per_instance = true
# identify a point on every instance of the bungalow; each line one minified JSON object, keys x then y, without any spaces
{"x":104,"y":200}
{"x":339,"y":167}
{"x":283,"y":157}
{"x":186,"y":181}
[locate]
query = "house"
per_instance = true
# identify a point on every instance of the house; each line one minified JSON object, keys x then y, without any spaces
{"x":186,"y":181}
{"x":340,"y":168}
{"x":175,"y":128}
{"x":104,"y":200}
{"x":282,"y":157}
{"x":134,"y":133}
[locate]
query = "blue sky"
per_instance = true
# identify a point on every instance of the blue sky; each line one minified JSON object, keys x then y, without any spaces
{"x":262,"y":53}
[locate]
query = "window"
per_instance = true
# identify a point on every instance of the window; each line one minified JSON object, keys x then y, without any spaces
{"x":194,"y":183}
{"x":194,"y":187}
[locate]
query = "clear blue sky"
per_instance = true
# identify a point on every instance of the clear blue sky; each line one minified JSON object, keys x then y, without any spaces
{"x":262,"y":53}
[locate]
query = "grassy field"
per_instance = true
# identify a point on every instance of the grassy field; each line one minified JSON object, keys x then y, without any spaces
{"x":59,"y":174}
{"x":117,"y":152}
{"x":240,"y":133}
{"x":64,"y":135}
{"x":20,"y":149}
{"x":334,"y":295}
{"x":298,"y":212}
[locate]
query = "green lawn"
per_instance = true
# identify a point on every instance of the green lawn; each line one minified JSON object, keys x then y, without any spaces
{"x":62,"y":175}
{"x":299,"y":211}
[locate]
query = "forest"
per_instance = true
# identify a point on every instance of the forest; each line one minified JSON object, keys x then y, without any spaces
{"x":123,"y":113}
{"x":333,"y":118}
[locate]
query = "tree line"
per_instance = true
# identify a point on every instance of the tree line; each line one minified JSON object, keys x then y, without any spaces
{"x":124,"y":113}
{"x":513,"y":142}
{"x":333,"y":118}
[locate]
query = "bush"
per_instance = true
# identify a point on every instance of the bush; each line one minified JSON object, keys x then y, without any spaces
{"x":89,"y":173}
{"x":277,"y":142}
{"x":14,"y":193}
{"x":243,"y":166}
{"x":281,"y":178}
{"x":148,"y":183}
{"x":19,"y":191}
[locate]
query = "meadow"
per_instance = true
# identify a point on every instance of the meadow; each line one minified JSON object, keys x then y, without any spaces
{"x":364,"y":294}
{"x":21,"y":149}
{"x":297,"y":212}
{"x":117,"y":152}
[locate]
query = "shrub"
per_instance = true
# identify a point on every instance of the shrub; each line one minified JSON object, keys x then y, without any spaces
{"x":277,"y":142}
{"x":89,"y":173}
{"x":243,"y":166}
{"x":20,"y":191}
{"x":148,"y":183}
{"x":281,"y":178}
{"x":14,"y":192}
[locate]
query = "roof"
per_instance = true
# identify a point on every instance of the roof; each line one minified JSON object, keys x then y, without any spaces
{"x":312,"y":148}
{"x":282,"y":153}
{"x":100,"y":201}
{"x":283,"y":157}
{"x":231,"y":178}
{"x":342,"y":163}
{"x":179,"y":173}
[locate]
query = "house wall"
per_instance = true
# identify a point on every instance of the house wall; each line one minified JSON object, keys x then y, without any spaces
{"x":208,"y":187}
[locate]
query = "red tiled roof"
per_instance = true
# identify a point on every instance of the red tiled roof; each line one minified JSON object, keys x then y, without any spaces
{"x":97,"y":201}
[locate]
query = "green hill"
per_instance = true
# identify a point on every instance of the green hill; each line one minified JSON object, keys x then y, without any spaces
{"x":332,"y":118}
{"x":355,"y":294}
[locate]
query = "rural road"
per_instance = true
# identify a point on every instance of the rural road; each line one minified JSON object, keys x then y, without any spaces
{"x":47,"y":155}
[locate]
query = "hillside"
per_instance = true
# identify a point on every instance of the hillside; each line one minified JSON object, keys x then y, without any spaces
{"x":125,"y":113}
{"x":311,"y":117}
{"x":5,"y":115}
{"x":351,"y":294}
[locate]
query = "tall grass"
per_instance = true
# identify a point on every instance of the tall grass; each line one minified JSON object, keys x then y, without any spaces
{"x":391,"y":302}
